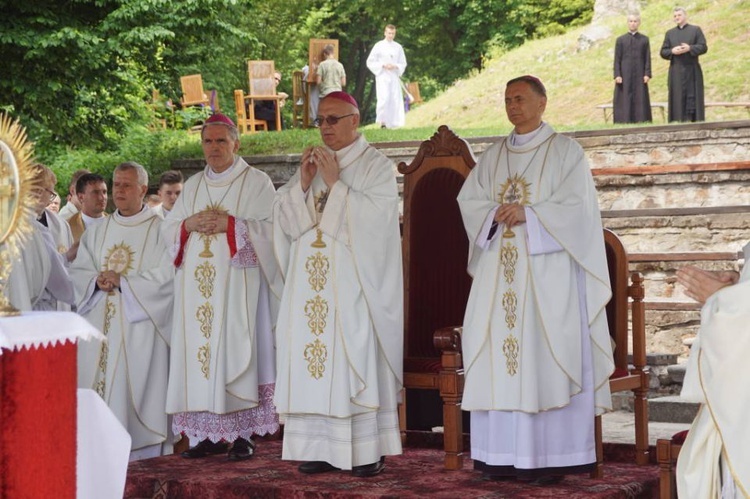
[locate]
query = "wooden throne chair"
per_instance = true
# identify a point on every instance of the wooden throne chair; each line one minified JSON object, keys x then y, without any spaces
{"x":626,"y":306}
{"x":436,"y":284}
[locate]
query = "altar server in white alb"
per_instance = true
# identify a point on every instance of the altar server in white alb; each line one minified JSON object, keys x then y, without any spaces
{"x":39,"y":278}
{"x":58,"y":294}
{"x":536,"y":346}
{"x":123,"y":285}
{"x":340,"y":331}
{"x":388,"y":62}
{"x":715,"y":459}
{"x":227,"y":286}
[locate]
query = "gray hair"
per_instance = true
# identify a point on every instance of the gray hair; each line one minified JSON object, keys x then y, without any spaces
{"x":139,"y":170}
{"x":680,"y":9}
{"x":234,"y":132}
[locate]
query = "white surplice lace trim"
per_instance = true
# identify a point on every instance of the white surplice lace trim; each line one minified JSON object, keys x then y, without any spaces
{"x":246,"y":257}
{"x":260,"y":420}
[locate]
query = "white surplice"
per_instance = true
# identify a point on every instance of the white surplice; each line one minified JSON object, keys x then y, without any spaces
{"x":31,"y":269}
{"x":537,"y":351}
{"x":340,"y":331}
{"x":227,"y":287}
{"x":715,"y":459}
{"x":390,"y":106}
{"x":129,"y":370}
{"x":58,"y":294}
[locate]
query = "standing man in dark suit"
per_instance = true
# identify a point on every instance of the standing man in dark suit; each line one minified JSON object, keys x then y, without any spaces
{"x":631,"y":102}
{"x":682,"y":46}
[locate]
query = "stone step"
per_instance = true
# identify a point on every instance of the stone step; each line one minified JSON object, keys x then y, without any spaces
{"x":671,"y":409}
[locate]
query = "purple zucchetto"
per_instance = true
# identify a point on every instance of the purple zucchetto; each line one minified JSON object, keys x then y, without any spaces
{"x":342,"y":96}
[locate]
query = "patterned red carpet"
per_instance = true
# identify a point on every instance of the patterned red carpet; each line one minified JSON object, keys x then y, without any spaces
{"x":417,"y":473}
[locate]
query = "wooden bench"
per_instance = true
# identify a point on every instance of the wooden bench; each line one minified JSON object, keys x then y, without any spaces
{"x":663,"y":107}
{"x":745,"y":104}
{"x":609,"y":110}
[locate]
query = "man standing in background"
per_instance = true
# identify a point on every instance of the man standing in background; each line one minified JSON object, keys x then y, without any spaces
{"x":388,"y":62}
{"x":170,"y":187}
{"x":631,"y":103}
{"x":682,"y":46}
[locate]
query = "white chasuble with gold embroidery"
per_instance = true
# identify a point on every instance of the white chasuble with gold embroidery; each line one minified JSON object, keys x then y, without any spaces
{"x":129,"y":370}
{"x":522,"y":328}
{"x":715,"y":459}
{"x":222,"y":295}
{"x":340,"y":330}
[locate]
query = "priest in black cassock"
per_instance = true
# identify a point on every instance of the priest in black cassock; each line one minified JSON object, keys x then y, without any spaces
{"x":682,"y":46}
{"x":631,"y":102}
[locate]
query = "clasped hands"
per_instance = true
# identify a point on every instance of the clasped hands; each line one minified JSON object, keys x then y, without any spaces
{"x":511,"y":214}
{"x":318,"y":159}
{"x":108,"y":280}
{"x":682,"y":48}
{"x":208,"y":221}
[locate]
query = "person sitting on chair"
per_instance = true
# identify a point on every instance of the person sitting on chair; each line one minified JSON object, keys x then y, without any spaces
{"x":266,"y":109}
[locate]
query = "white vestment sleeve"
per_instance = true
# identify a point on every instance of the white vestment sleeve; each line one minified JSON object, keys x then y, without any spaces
{"x":540,"y":241}
{"x":58,"y":283}
{"x":90,"y":298}
{"x":134,"y":312}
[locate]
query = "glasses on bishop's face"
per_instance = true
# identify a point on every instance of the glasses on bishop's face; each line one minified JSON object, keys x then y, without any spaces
{"x":331,"y":120}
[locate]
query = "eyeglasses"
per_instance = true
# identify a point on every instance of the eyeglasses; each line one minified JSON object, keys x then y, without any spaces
{"x":51,"y":195}
{"x":331,"y":120}
{"x":278,"y":80}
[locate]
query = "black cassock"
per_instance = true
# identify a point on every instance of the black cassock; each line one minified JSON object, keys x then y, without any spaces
{"x":631,"y":103}
{"x":686,"y":101}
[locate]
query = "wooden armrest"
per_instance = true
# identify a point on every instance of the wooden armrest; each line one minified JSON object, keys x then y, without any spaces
{"x":448,"y":339}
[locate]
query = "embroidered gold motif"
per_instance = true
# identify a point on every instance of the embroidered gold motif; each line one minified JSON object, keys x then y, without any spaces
{"x":318,"y":243}
{"x":207,"y":239}
{"x":205,"y":315}
{"x":316,"y":355}
{"x":515,"y":190}
{"x":508,"y":258}
{"x":510,"y":350}
{"x":317,"y":267}
{"x":204,"y":357}
{"x":205,"y":274}
{"x":119,"y":259}
{"x":62,"y":249}
{"x":509,"y":305}
{"x":316,"y":311}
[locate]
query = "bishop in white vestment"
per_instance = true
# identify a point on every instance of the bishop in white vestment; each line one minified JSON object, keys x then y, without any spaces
{"x":340,"y":330}
{"x":227,"y":286}
{"x":715,"y":459}
{"x":537,"y":351}
{"x":388,"y":62}
{"x":123,"y":285}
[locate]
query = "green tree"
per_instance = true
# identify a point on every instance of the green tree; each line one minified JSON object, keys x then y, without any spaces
{"x":78,"y":72}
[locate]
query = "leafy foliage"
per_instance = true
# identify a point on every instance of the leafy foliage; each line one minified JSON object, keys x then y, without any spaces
{"x":80,"y":73}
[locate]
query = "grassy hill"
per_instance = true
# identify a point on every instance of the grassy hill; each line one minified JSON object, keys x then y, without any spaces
{"x":578,"y":80}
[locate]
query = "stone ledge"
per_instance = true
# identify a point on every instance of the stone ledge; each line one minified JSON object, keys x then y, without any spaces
{"x":671,"y":409}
